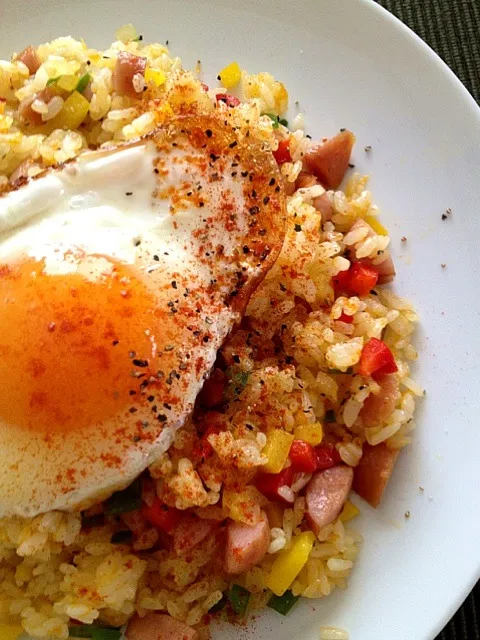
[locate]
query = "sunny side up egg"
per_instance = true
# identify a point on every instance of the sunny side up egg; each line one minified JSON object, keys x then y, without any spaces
{"x":121,"y":275}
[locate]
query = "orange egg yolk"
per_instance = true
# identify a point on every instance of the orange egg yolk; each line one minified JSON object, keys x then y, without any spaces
{"x":73,"y":347}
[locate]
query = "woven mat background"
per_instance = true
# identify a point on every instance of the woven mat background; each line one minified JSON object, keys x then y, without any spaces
{"x":452,"y":29}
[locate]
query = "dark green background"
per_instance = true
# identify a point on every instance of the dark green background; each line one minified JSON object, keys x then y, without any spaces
{"x":452,"y":29}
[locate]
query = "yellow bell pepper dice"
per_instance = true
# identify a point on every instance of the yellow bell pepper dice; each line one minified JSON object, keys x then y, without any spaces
{"x":73,"y":112}
{"x":311,"y":433}
{"x":349,"y":512}
{"x":376,"y":225}
{"x":67,"y":83}
{"x":156,"y":76}
{"x":10,"y":631}
{"x":230,"y":75}
{"x":276,"y":450}
{"x":289,"y":563}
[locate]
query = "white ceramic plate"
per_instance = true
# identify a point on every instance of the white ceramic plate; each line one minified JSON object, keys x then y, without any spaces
{"x":350,"y":64}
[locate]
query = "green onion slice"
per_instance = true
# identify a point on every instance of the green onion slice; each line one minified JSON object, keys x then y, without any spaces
{"x":283,"y":604}
{"x":130,"y":499}
{"x":238,"y":597}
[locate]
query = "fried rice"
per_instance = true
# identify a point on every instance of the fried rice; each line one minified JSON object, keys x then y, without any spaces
{"x":291,"y":366}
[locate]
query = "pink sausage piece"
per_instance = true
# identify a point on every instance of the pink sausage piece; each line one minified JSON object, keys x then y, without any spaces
{"x":246,"y":544}
{"x":377,"y":407}
{"x":373,"y":472}
{"x":127,"y":66}
{"x":30,"y":59}
{"x":326,"y":494}
{"x":328,"y":161}
{"x":158,"y":626}
{"x":191,"y":532}
{"x":322,"y":204}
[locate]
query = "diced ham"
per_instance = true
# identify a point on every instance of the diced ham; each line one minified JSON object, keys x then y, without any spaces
{"x":30,"y":59}
{"x":377,"y":407}
{"x":289,"y":187}
{"x":321,"y":203}
{"x":329,"y":161}
{"x":127,"y":66}
{"x":191,"y":531}
{"x":25,"y":110}
{"x":326,"y":494}
{"x":159,"y":626}
{"x":373,"y":472}
{"x":386,"y":271}
{"x":21,"y":172}
{"x":386,"y":268}
{"x":246,"y":544}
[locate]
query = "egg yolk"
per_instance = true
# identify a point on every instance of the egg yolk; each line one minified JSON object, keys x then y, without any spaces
{"x":73,"y":347}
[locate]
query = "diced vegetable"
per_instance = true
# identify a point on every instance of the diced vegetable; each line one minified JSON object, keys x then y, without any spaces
{"x":130,"y":499}
{"x":237,"y":381}
{"x":204,"y":449}
{"x":161,"y":516}
{"x":276,"y":450}
{"x":126,"y":33}
{"x":303,"y":456}
{"x":230,"y":75}
{"x":283,"y":604}
{"x":238,"y":598}
{"x":376,"y":225}
{"x":311,"y":433}
{"x":282,"y":153}
{"x":276,"y":120}
{"x":73,"y":112}
{"x":121,"y":537}
{"x":349,"y":512}
{"x":289,"y":563}
{"x":242,"y":505}
{"x":273,"y":118}
{"x":52,"y":81}
{"x":230,"y":101}
{"x":83,"y":82}
{"x":10,"y":631}
{"x":345,"y":318}
{"x":363,"y":278}
{"x":376,"y":359}
{"x":327,"y":456}
{"x":156,"y":76}
{"x":94,"y":631}
{"x":68,"y":82}
{"x":270,"y":484}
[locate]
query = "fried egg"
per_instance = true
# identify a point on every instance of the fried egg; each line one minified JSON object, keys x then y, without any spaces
{"x":121,"y":275}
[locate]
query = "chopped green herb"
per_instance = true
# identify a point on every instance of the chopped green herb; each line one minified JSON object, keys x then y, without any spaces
{"x":219,"y":606}
{"x":82,"y":83}
{"x":283,"y":604}
{"x":329,"y":416}
{"x":283,"y":121}
{"x":51,"y":81}
{"x":237,"y":382}
{"x":94,"y":631}
{"x":239,"y":598}
{"x":121,"y":537}
{"x":273,"y":118}
{"x":130,"y":499}
{"x":106,"y":634}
